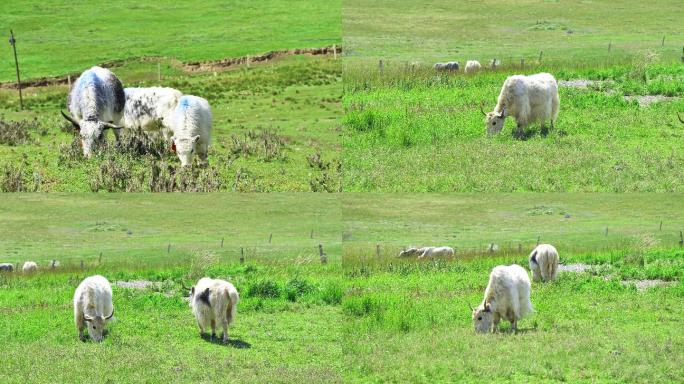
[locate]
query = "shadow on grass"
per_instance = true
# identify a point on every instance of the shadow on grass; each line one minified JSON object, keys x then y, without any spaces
{"x":235,"y":343}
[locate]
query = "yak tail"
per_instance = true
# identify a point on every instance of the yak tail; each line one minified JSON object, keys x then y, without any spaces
{"x":232,"y":299}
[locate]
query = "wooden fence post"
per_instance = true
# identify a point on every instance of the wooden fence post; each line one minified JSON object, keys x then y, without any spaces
{"x":222,"y":242}
{"x":606,"y":232}
{"x":540,"y":56}
{"x":168,"y":248}
{"x":335,"y":51}
{"x":321,"y":254}
{"x":377,"y":250}
{"x":242,"y":255}
{"x":13,"y":43}
{"x":270,"y":237}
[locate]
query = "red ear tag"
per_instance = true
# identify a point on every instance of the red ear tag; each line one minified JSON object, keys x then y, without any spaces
{"x":173,"y":147}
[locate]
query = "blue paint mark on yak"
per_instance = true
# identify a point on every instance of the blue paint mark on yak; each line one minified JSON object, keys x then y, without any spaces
{"x":184,"y":102}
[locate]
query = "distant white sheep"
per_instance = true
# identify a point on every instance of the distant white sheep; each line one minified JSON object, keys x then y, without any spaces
{"x":544,"y":262}
{"x":191,"y":127}
{"x":507,"y":296}
{"x":96,"y":102}
{"x":528,"y":99}
{"x":472,"y":66}
{"x":213,"y":302}
{"x":93,"y":306}
{"x":151,"y":109}
{"x":29,"y":267}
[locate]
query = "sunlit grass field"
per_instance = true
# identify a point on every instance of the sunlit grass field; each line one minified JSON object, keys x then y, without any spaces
{"x":287,"y":327}
{"x":410,"y":321}
{"x":408,"y":128}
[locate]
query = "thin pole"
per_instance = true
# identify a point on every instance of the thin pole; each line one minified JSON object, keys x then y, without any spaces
{"x":13,"y":43}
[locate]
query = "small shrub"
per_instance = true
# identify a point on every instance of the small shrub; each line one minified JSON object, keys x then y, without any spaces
{"x":296,"y":288}
{"x":264,"y":288}
{"x":16,"y":132}
{"x":332,"y":294}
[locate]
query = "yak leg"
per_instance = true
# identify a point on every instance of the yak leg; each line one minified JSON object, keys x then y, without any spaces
{"x":213,"y":329}
{"x":544,"y":131}
{"x":225,"y":330}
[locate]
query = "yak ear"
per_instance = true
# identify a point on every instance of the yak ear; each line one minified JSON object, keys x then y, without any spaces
{"x":195,"y":138}
{"x":487,"y":308}
{"x":110,"y":316}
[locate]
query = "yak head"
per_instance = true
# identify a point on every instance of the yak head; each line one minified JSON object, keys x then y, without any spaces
{"x":494,"y":121}
{"x":483,"y":318}
{"x":185,"y":148}
{"x":91,"y":132}
{"x":96,"y":325}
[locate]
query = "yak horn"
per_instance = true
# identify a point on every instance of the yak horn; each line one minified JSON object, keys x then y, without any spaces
{"x":471,"y":307}
{"x":482,"y":108}
{"x":87,"y":318}
{"x":112,"y":126}
{"x":680,"y":118}
{"x":110,"y":316}
{"x":71,"y":120}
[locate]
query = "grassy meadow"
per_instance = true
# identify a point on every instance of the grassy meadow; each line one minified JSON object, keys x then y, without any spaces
{"x":409,"y":320}
{"x":410,"y":129}
{"x":287,"y":327}
{"x":275,"y":129}
{"x":63,"y":37}
{"x":275,"y":124}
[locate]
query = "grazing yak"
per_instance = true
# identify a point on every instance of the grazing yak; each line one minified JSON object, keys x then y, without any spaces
{"x":436,"y":252}
{"x":93,"y":306}
{"x":214,"y":302}
{"x":472,"y":66}
{"x":448,"y":66}
{"x":96,"y":103}
{"x":151,"y":109}
{"x":423,"y":252}
{"x":528,"y":99}
{"x":6,"y":267}
{"x":544,"y":262}
{"x":507,"y":296}
{"x":191,"y":127}
{"x":29,"y":267}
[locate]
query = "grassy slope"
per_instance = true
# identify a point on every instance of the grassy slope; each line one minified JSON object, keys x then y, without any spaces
{"x":586,"y":328}
{"x":284,"y":338}
{"x":296,"y":98}
{"x":62,"y":37}
{"x":412,"y":131}
{"x":440,"y":29}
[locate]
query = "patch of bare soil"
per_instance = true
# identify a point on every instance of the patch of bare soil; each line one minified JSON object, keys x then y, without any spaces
{"x":579,"y":83}
{"x":576,"y":268}
{"x":190,"y":66}
{"x":642,"y":285}
{"x":650,"y":99}
{"x":136,"y":284}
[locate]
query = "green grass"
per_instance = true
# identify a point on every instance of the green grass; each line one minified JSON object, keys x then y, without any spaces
{"x":287,"y":333}
{"x":296,"y":100}
{"x":414,"y":131}
{"x":430,"y":31}
{"x":409,"y":320}
{"x":62,"y":37}
{"x":408,"y":129}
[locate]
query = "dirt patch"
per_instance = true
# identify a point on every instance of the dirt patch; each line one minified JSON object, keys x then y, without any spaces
{"x":650,"y":99}
{"x":642,"y":285}
{"x":576,"y":268}
{"x":580,"y":83}
{"x":190,"y":66}
{"x":137,"y":284}
{"x":225,"y":63}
